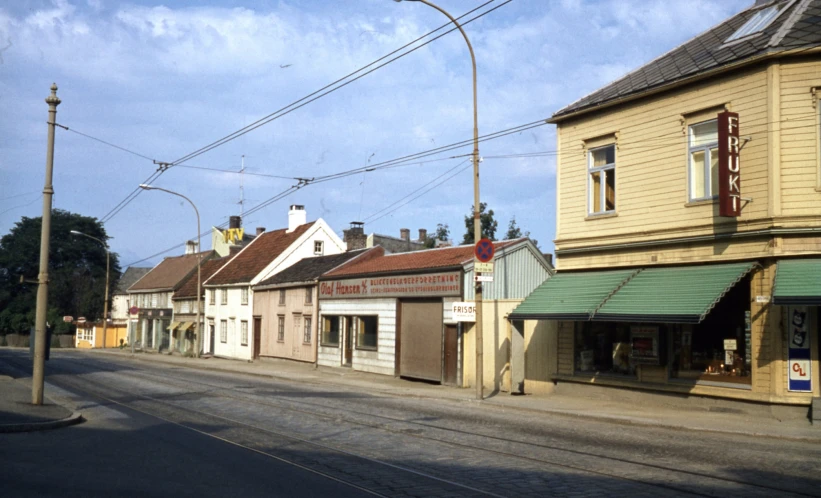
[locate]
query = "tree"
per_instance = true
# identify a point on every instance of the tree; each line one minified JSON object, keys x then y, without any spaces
{"x":514,"y":232}
{"x":442,"y":233}
{"x":489,"y":224}
{"x":77,"y":267}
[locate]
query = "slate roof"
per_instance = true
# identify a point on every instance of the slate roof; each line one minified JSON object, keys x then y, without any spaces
{"x":256,"y":256}
{"x":310,"y":269}
{"x":169,"y":274}
{"x":127,"y":279}
{"x":188,"y":289}
{"x":431,"y":259}
{"x":799,"y":26}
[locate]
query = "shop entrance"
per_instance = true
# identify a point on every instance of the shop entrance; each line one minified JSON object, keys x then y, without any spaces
{"x":451,"y":355}
{"x":421,"y":340}
{"x":346,"y":361}
{"x":257,"y":335}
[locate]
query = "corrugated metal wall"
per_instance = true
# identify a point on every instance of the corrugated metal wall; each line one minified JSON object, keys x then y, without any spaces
{"x":515,"y":275}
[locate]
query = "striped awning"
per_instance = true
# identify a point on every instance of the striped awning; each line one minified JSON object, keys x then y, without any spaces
{"x":798,"y":282}
{"x":173,"y":325}
{"x":186,"y":325}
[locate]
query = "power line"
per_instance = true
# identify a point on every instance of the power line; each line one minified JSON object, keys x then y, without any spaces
{"x":236,"y":172}
{"x":104,"y":142}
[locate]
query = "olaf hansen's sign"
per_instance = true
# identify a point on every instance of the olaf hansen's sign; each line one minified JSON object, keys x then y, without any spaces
{"x":424,"y":285}
{"x":729,"y":171}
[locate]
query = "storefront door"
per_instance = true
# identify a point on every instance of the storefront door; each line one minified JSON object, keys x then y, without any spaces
{"x":257,"y":335}
{"x":451,"y":352}
{"x":421,"y":340}
{"x":348,"y":342}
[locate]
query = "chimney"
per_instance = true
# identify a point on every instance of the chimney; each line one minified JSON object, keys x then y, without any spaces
{"x":260,"y":231}
{"x":355,"y":236}
{"x":423,"y":235}
{"x":191,"y":247}
{"x":548,"y":257}
{"x":404,"y":233}
{"x":296,"y":217}
{"x":234,"y":222}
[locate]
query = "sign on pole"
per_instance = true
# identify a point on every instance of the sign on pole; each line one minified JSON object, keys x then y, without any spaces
{"x":483,"y":278}
{"x":482,"y":267}
{"x":463,"y":312}
{"x":729,"y":174}
{"x":484,"y":251}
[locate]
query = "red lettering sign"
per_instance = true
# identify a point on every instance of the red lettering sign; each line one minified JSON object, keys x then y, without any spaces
{"x":729,"y":170}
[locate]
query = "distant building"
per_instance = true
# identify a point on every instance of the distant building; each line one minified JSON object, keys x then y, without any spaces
{"x":356,"y":239}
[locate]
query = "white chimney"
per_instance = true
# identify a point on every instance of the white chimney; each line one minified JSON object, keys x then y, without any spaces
{"x":191,"y":247}
{"x":296,"y":217}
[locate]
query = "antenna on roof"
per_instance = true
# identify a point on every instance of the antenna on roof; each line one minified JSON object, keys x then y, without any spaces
{"x":242,"y":188}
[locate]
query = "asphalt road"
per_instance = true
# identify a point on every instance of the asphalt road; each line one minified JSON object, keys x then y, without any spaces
{"x":160,"y":430}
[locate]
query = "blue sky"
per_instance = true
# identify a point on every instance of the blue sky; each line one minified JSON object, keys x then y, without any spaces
{"x":165,"y":79}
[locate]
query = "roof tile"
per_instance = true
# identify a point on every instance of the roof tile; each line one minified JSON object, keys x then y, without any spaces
{"x":169,"y":274}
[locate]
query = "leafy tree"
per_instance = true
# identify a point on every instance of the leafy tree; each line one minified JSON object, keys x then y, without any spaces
{"x":489,"y":224}
{"x":77,"y":267}
{"x":514,"y":232}
{"x":442,"y":233}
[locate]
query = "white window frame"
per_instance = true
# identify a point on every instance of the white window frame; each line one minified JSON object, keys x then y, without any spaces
{"x":319,"y":247}
{"x":282,"y":297}
{"x":711,"y":191}
{"x":306,"y":334}
{"x":602,"y":171}
{"x":244,"y":295}
{"x":212,"y":298}
{"x":223,"y":296}
{"x":243,"y":333}
{"x":223,"y":331}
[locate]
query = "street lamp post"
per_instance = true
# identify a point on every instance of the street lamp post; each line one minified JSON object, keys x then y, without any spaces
{"x":477,"y":224}
{"x":199,"y":263}
{"x":107,"y":270}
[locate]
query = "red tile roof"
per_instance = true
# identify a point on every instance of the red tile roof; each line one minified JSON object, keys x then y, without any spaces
{"x":188,"y":289}
{"x":430,"y":259}
{"x":256,"y":256}
{"x":169,"y":274}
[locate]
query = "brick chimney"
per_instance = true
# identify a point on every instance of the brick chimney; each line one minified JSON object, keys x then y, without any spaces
{"x":296,"y":217}
{"x":234,"y":222}
{"x":260,"y":230}
{"x":404,"y":234}
{"x":355,"y":236}
{"x":423,"y":235}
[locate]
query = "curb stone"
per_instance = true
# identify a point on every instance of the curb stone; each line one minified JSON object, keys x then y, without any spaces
{"x":73,"y":419}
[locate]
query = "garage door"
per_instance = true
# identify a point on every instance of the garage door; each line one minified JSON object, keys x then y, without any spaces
{"x":421,"y":340}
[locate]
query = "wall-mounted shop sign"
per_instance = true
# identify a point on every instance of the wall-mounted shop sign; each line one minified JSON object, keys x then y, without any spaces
{"x":231,"y":235}
{"x":798,"y":366}
{"x":729,"y":170}
{"x":644,"y":345}
{"x":463,"y":312}
{"x":425,"y":285}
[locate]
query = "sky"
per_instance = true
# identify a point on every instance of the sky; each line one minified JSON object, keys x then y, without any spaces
{"x":165,"y":79}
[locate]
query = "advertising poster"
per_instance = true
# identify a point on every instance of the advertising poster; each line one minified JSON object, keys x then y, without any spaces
{"x":644,"y":345}
{"x":798,"y":366}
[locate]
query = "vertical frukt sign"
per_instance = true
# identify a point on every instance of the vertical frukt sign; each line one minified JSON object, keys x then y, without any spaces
{"x":729,"y":171}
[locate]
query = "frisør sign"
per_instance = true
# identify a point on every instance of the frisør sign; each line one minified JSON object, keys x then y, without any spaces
{"x":729,"y":168}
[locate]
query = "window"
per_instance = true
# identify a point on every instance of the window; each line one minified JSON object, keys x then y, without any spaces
{"x":330,"y":331}
{"x":244,"y":296}
{"x":223,"y":296}
{"x":703,"y":160}
{"x":243,"y":333}
{"x":309,"y":295}
{"x":185,"y":306}
{"x":282,"y":297}
{"x":603,"y":348}
{"x":212,"y":296}
{"x":366,"y":331}
{"x":280,"y":328}
{"x":154,"y":299}
{"x":306,"y":336}
{"x":756,"y":23}
{"x":602,"y":171}
{"x":318,"y":247}
{"x":223,"y":330}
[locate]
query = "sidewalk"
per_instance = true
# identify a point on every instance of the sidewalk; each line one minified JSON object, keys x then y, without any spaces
{"x":17,"y":414}
{"x":556,"y":404}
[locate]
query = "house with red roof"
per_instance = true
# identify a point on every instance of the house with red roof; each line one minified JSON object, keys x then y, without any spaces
{"x":393,"y":314}
{"x":229,"y":303}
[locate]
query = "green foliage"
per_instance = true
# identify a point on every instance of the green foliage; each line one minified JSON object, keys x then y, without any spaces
{"x":442,"y":233}
{"x":77,"y":268}
{"x":489,"y":224}
{"x":514,"y":232}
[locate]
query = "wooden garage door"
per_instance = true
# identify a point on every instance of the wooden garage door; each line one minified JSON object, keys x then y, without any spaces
{"x":420,"y":354}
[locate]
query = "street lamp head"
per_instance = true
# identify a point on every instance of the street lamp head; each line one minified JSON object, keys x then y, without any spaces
{"x":145,"y":186}
{"x":75,"y":232}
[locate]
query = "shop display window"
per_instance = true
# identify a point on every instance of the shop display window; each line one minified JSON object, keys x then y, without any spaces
{"x":717,"y":350}
{"x":366,"y":332}
{"x":330,"y":331}
{"x":603,"y":348}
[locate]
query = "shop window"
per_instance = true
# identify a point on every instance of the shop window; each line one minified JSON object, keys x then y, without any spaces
{"x":703,"y":160}
{"x":306,"y":335}
{"x":243,"y":330}
{"x":717,"y":350}
{"x":244,"y":295}
{"x":330,"y":331}
{"x":603,"y":348}
{"x":282,"y":297}
{"x":366,"y":331}
{"x":602,"y":171}
{"x":223,"y":330}
{"x":280,"y":328}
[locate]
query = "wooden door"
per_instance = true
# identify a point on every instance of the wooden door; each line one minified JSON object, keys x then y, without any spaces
{"x":421,"y":340}
{"x":451,"y":355}
{"x":257,"y":335}
{"x":348,"y":342}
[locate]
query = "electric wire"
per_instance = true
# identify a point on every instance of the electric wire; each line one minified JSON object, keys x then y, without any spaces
{"x":104,"y":142}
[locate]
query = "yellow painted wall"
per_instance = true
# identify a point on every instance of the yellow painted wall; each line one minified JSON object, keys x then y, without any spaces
{"x":113,"y":335}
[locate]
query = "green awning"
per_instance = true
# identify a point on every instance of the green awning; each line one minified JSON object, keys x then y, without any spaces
{"x":683,"y":294}
{"x":571,"y":295}
{"x":798,"y":281}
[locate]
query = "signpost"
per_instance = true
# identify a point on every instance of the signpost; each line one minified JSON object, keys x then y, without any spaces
{"x":463,"y":312}
{"x":483,"y":278}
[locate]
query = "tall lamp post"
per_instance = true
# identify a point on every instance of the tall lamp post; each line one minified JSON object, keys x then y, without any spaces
{"x":199,"y":263}
{"x":107,"y":269}
{"x":477,"y":224}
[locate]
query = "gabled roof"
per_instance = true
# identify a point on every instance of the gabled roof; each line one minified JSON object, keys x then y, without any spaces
{"x":188,"y":288}
{"x":127,"y":279}
{"x":169,"y":274}
{"x":431,"y":259}
{"x":310,"y":269}
{"x":254,"y":257}
{"x":797,"y":26}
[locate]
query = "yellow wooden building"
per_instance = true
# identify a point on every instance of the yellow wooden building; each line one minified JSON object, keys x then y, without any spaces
{"x":90,"y":335}
{"x":657,"y":288}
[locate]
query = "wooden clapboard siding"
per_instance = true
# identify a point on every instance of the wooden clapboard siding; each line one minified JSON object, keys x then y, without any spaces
{"x":565,"y":348}
{"x":541,"y":361}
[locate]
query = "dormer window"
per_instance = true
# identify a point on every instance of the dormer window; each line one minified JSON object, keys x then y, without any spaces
{"x":757,"y":22}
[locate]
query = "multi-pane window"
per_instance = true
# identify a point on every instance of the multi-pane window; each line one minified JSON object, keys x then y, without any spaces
{"x":243,"y":331}
{"x":309,"y":295}
{"x":223,"y":330}
{"x":223,"y":296}
{"x":282,"y":297}
{"x":212,"y":296}
{"x":703,"y":160}
{"x":244,"y":296}
{"x":366,"y":331}
{"x":330,"y":331}
{"x":318,"y":247}
{"x":306,"y":336}
{"x":280,"y":328}
{"x":185,"y":306}
{"x":602,"y":178}
{"x":154,"y":299}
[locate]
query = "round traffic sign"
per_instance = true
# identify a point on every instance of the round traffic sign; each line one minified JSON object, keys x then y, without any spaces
{"x":134,"y":310}
{"x":484,"y":250}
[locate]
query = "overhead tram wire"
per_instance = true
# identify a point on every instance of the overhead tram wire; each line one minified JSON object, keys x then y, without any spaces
{"x":319,"y":93}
